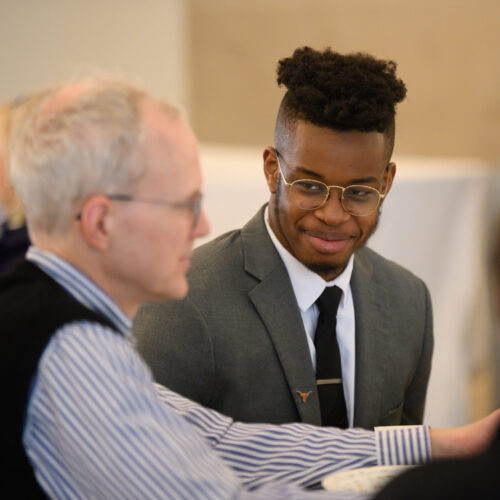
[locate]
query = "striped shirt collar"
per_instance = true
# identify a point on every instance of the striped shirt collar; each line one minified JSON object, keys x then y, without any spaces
{"x":81,"y":287}
{"x":308,"y":285}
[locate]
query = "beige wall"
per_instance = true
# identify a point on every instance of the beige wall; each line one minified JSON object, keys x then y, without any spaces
{"x":447,"y":53}
{"x":218,"y":58}
{"x":45,"y":41}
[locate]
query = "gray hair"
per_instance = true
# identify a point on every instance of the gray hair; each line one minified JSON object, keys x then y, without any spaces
{"x":72,"y":148}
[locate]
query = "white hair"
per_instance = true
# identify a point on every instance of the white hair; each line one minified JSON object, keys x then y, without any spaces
{"x":75,"y":145}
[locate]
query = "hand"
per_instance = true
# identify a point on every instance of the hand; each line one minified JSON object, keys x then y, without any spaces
{"x":465,"y":441}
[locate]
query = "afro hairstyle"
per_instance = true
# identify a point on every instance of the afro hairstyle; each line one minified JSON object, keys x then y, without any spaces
{"x":341,"y":92}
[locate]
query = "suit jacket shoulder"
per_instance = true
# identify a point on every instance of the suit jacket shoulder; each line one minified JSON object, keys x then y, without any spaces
{"x":384,"y":270}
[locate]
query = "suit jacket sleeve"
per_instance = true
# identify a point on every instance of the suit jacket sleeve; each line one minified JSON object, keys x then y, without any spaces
{"x":414,"y":404}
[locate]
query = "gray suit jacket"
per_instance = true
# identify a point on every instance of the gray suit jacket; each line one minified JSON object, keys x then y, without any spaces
{"x":237,"y":343}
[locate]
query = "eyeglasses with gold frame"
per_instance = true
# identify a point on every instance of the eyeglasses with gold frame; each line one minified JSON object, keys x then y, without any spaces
{"x":310,"y":194}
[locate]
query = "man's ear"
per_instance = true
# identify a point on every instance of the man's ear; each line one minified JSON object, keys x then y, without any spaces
{"x":271,"y":168}
{"x":94,"y":221}
{"x":389,"y":174}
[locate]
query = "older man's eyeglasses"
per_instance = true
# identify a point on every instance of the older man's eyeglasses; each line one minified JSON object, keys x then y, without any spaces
{"x":194,"y":206}
{"x":310,"y":194}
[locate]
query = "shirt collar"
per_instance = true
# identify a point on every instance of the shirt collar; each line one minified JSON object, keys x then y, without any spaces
{"x":307,"y":285}
{"x":81,"y":287}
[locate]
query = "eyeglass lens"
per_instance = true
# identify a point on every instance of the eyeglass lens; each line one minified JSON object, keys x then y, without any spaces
{"x":357,"y":200}
{"x":196,"y":212}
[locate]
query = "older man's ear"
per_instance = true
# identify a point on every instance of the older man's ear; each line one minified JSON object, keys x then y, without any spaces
{"x":95,"y":222}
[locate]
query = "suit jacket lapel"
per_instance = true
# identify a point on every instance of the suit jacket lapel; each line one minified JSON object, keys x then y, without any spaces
{"x":372,"y":342}
{"x":276,"y":304}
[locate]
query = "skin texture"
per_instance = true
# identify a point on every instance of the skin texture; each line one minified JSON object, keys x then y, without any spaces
{"x":324,"y":239}
{"x":465,"y":441}
{"x":158,"y":239}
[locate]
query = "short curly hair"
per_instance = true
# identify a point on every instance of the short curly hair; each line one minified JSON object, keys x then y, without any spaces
{"x":341,"y":92}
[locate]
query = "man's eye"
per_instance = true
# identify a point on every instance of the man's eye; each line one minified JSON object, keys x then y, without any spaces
{"x":310,"y":187}
{"x":358,"y":192}
{"x":361,"y":194}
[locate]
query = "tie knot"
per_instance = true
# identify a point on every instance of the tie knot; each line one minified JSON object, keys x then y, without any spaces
{"x":328,"y":301}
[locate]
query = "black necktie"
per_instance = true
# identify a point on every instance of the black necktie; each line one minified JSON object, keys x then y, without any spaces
{"x":328,"y":367}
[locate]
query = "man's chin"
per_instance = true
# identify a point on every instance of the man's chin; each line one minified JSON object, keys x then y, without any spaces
{"x":177,"y":292}
{"x":328,"y":271}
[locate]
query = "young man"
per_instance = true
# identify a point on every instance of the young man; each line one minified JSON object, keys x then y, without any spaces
{"x":110,"y":180}
{"x":245,"y":337}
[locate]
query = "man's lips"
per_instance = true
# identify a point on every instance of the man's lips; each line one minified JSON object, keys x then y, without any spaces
{"x":327,"y":242}
{"x":186,"y":260}
{"x":328,"y":236}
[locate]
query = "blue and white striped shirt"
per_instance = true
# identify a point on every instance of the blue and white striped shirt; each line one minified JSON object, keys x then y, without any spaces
{"x":97,"y":426}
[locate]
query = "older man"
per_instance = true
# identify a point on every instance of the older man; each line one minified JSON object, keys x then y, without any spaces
{"x":111,"y":184}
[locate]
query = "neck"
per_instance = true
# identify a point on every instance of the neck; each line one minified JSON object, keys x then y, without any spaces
{"x":91,"y":263}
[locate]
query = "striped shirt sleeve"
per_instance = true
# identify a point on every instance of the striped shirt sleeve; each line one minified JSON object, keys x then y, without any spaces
{"x":96,"y":428}
{"x":299,"y":453}
{"x":403,"y":445}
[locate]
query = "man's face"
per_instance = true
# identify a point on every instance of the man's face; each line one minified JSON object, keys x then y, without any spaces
{"x":153,"y":245}
{"x":325,"y":238}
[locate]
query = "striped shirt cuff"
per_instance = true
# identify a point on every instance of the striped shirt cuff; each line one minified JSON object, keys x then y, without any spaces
{"x":403,"y":445}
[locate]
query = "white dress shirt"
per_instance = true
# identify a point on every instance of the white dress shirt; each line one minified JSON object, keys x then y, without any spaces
{"x":307,"y":287}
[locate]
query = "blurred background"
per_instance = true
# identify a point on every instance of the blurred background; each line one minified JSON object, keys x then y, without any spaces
{"x":217,"y":59}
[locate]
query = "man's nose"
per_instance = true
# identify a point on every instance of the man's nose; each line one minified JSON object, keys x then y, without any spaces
{"x":332,"y":212}
{"x":202,"y":227}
